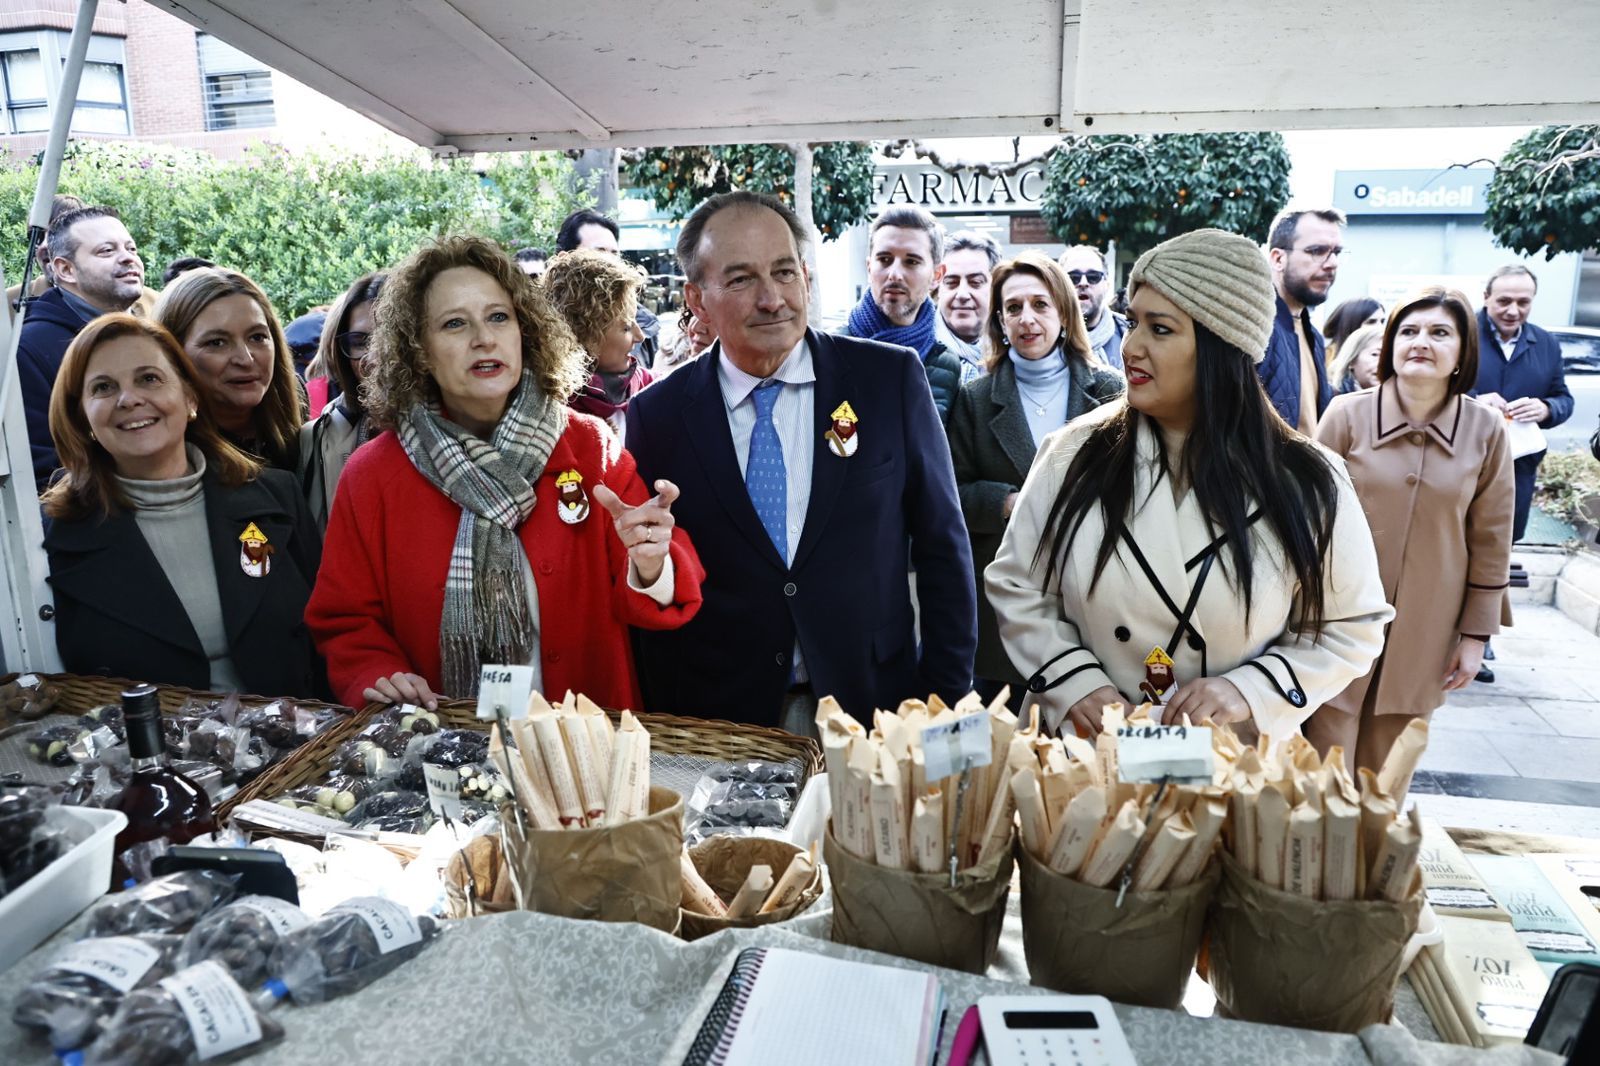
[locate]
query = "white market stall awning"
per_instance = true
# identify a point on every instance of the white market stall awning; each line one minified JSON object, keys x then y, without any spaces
{"x":487,"y":75}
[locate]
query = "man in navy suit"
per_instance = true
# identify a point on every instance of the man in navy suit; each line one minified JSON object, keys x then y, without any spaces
{"x":814,"y":473}
{"x":1519,"y":370}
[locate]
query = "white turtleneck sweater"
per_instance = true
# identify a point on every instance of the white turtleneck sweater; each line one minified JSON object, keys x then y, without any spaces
{"x":1043,"y":382}
{"x":171,"y":515}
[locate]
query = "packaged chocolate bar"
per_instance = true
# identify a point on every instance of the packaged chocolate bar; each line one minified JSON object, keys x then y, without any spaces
{"x":241,"y":935}
{"x":72,"y":998}
{"x":169,"y":904}
{"x":198,"y":1014}
{"x":354,"y":944}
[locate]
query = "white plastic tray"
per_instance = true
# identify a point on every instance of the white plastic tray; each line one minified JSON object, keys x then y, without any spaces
{"x":56,"y":895}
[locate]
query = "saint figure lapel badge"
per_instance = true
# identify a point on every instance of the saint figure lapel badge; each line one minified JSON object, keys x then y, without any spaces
{"x":572,"y":503}
{"x":1158,"y":676}
{"x":841,"y":436}
{"x":255,"y":554}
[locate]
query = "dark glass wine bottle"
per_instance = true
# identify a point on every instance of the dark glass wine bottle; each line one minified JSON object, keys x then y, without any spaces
{"x":163,"y":806}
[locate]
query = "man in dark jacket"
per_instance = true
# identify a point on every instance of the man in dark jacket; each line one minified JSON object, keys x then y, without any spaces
{"x":814,"y":471}
{"x":1519,"y":370}
{"x":905,"y":264}
{"x":97,"y":270}
{"x":1304,"y":248}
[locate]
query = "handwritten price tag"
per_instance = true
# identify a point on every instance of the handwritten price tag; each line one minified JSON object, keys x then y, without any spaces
{"x":506,"y":687}
{"x":1147,"y":753}
{"x":956,"y":746}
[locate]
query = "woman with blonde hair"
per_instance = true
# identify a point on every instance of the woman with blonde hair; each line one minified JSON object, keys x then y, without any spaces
{"x":489,"y":524}
{"x":1041,"y":375}
{"x":228,"y":327}
{"x":598,"y":294}
{"x":174,"y":557}
{"x":1356,"y":366}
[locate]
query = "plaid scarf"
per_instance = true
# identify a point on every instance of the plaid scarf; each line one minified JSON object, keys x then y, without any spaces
{"x":486,"y":614}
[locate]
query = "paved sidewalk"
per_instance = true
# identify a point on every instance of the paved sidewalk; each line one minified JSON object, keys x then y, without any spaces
{"x":1522,"y":753}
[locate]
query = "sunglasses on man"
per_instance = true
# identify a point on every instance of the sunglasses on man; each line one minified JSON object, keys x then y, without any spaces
{"x":1093,"y":277}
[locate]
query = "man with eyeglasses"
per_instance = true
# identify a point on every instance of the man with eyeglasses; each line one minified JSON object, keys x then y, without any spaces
{"x":1304,"y":248}
{"x":1090,"y":275}
{"x":813,"y":469}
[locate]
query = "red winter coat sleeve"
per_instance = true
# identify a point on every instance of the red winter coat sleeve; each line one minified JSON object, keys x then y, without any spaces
{"x":351,"y":595}
{"x":630,"y":606}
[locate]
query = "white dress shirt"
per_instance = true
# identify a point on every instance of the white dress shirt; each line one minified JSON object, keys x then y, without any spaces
{"x":793,"y":416}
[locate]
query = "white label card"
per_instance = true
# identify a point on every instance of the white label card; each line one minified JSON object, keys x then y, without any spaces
{"x":282,"y":916}
{"x":392,"y":923}
{"x":1148,"y":753}
{"x":218,"y":1011}
{"x":444,"y":789}
{"x":119,"y":961}
{"x":28,"y":681}
{"x":956,"y":746}
{"x":507,"y":687}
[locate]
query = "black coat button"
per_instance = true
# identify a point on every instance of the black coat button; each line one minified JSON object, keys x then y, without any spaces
{"x":790,"y":589}
{"x":1122,"y":634}
{"x":1297,"y":697}
{"x":1195,"y":643}
{"x":781,"y":659}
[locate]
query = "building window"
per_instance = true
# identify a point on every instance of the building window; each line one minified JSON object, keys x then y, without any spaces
{"x":31,"y":64}
{"x":238,"y":89}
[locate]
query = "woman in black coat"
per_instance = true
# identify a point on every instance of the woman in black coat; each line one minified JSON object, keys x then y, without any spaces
{"x":1041,"y":376}
{"x":174,"y":557}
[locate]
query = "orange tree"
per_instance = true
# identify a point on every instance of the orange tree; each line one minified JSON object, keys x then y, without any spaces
{"x":1545,"y":193}
{"x":677,"y":180}
{"x":1138,"y":190}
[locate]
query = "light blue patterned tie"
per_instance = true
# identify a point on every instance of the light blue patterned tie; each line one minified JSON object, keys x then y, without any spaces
{"x":764,"y":475}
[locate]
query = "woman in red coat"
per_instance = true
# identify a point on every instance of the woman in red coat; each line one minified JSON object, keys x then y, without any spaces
{"x":489,"y":524}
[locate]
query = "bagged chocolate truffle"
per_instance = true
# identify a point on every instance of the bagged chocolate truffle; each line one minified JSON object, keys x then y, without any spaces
{"x":198,"y":1014}
{"x":241,"y":936}
{"x":29,"y":696}
{"x":72,"y":999}
{"x":348,"y":948}
{"x":49,"y":745}
{"x":169,"y":904}
{"x":21,"y":812}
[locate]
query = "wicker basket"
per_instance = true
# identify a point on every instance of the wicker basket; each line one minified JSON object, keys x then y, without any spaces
{"x":312,"y":762}
{"x":79,"y":692}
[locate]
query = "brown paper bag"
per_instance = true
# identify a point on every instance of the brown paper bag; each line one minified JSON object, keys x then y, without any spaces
{"x":1283,"y":959}
{"x":618,"y":873}
{"x":490,"y":891}
{"x":919,"y":916}
{"x":725,"y":861}
{"x":1078,"y":940}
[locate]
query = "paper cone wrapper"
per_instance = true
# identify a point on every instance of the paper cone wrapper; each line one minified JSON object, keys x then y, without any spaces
{"x":493,"y":881}
{"x":628,"y":872}
{"x":919,"y":916}
{"x":725,"y":861}
{"x":1283,"y":959}
{"x":1078,"y":940}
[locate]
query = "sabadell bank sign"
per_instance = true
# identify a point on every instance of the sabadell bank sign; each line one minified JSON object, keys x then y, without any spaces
{"x":1455,"y":191}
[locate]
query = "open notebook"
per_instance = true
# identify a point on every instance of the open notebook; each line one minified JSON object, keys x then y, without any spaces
{"x":779,"y":1007}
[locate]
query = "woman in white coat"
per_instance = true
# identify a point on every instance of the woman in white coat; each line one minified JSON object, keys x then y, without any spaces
{"x":1187,"y":546}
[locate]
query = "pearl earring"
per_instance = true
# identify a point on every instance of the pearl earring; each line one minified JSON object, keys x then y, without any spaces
{"x":193,"y":414}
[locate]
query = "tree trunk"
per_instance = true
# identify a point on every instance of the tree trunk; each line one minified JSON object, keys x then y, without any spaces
{"x":604,"y":162}
{"x":804,"y":165}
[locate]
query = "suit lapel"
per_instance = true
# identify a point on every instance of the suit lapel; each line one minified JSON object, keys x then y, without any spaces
{"x":705,"y":423}
{"x":834,"y":386}
{"x":229,"y":512}
{"x":113,"y":569}
{"x":1009,"y":422}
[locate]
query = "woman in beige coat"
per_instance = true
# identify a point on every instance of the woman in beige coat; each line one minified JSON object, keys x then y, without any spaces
{"x":1187,"y":546}
{"x":1433,"y":469}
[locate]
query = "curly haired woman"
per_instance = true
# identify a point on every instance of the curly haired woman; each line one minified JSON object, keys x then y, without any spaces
{"x":489,"y":524}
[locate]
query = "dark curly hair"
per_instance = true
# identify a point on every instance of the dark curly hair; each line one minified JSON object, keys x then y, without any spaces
{"x":399,"y":374}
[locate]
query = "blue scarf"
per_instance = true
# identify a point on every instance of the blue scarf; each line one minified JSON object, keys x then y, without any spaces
{"x":868,"y":322}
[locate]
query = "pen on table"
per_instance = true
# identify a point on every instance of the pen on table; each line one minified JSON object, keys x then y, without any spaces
{"x":966,"y":1038}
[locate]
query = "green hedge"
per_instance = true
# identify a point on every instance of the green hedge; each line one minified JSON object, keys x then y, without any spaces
{"x":303,"y":226}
